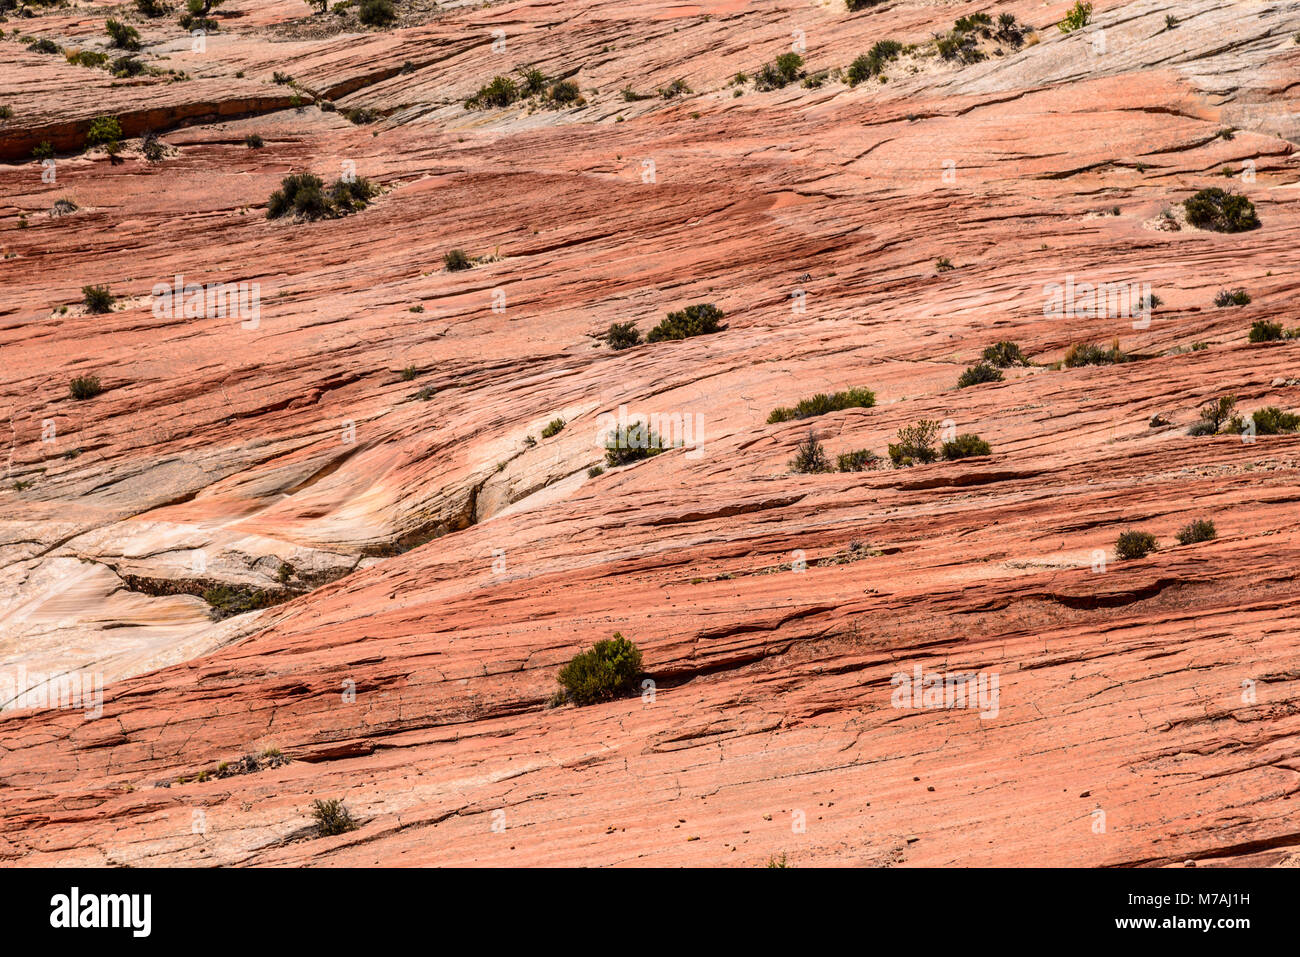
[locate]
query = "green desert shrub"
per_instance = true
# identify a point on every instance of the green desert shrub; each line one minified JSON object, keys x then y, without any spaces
{"x":85,"y":387}
{"x":332,"y":817}
{"x":860,"y":460}
{"x":1086,"y":354}
{"x":376,"y":13}
{"x":254,"y":141}
{"x":622,"y":335}
{"x":1221,"y":211}
{"x":43,"y":150}
{"x":872,"y":63}
{"x":122,"y":35}
{"x":126,"y":66}
{"x":856,"y":5}
{"x":810,"y":457}
{"x":696,"y":320}
{"x":608,"y":670}
{"x":303,"y":195}
{"x":678,"y":87}
{"x":915,"y":445}
{"x":964,"y":446}
{"x":1077,"y":17}
{"x":87,"y":58}
{"x":152,"y":8}
{"x":1200,"y":530}
{"x":782,"y":71}
{"x":532,"y":81}
{"x":103,"y":130}
{"x":565,"y":93}
{"x":498,"y":92}
{"x":227,"y":600}
{"x":1214,"y":415}
{"x":631,"y":443}
{"x":455,"y":260}
{"x":43,"y":46}
{"x":1261,"y":330}
{"x":980,"y":372}
{"x":1135,"y":544}
{"x":1271,"y":420}
{"x":554,"y":427}
{"x":1004,"y":355}
{"x":1232,"y":297}
{"x":595,"y":470}
{"x":97,"y":299}
{"x":822,"y":403}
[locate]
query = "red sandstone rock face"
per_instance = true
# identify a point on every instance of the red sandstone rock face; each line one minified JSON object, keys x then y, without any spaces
{"x":443,"y":568}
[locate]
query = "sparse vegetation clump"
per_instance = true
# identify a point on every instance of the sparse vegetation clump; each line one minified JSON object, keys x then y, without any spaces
{"x":225,"y":601}
{"x":43,"y":46}
{"x":784,"y":70}
{"x":631,"y":443}
{"x":1215,"y":415}
{"x":332,"y":817}
{"x":700,"y":319}
{"x":810,"y":457}
{"x":85,"y":387}
{"x":376,"y":13}
{"x":1004,"y":355}
{"x":304,"y":197}
{"x":622,"y":335}
{"x":122,"y":35}
{"x":455,"y":260}
{"x":196,"y":16}
{"x":498,"y":92}
{"x":1086,"y":354}
{"x":856,"y":5}
{"x":554,"y":427}
{"x":872,"y":63}
{"x":97,"y":299}
{"x":254,"y":141}
{"x":915,"y":445}
{"x":152,"y":8}
{"x":1232,"y":297}
{"x":43,"y":150}
{"x":1201,"y":530}
{"x":822,"y":403}
{"x":860,"y":460}
{"x":1271,"y":420}
{"x":1135,"y":544}
{"x":608,"y":670}
{"x":103,"y":131}
{"x":1262,"y":330}
{"x":965,"y":446}
{"x":678,"y":87}
{"x":980,"y":372}
{"x":1077,"y":18}
{"x":1221,"y":211}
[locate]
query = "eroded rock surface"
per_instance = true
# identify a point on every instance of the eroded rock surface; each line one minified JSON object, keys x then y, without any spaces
{"x":425,"y":561}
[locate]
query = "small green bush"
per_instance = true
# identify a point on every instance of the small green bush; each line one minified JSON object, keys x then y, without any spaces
{"x":123,"y":36}
{"x":810,"y":457}
{"x":980,"y":372}
{"x":1135,"y":544}
{"x":455,"y":260}
{"x":609,"y":669}
{"x":872,"y":63}
{"x":631,"y":443}
{"x":1261,"y":330}
{"x":376,"y":13}
{"x":1200,"y":530}
{"x":43,"y":46}
{"x":1271,"y":420}
{"x":103,"y":129}
{"x":1004,"y":355}
{"x":225,"y":601}
{"x":856,"y":5}
{"x":784,"y":70}
{"x":1214,"y":415}
{"x":254,"y":141}
{"x":595,"y":470}
{"x":97,"y":299}
{"x":332,"y":817}
{"x":499,"y":92}
{"x":554,"y":427}
{"x":1078,"y":17}
{"x":964,"y":446}
{"x":152,"y":8}
{"x":915,"y":445}
{"x":622,"y":335}
{"x":43,"y":150}
{"x":1221,"y":211}
{"x":696,"y":320}
{"x":861,"y":460}
{"x":1085,"y":354}
{"x":1231,"y":297}
{"x":565,"y":93}
{"x":85,"y":387}
{"x":821,"y":404}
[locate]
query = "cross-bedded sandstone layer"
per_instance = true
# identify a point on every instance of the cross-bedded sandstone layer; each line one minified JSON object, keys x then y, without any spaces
{"x":444,"y":559}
